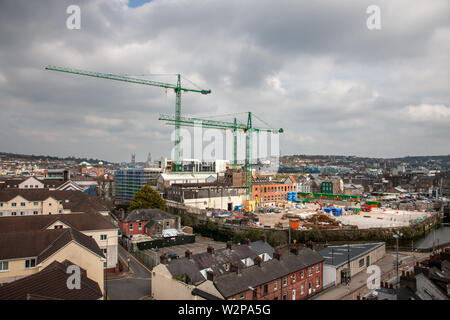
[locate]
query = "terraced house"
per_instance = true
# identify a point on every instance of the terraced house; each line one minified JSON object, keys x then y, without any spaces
{"x":250,"y":271}
{"x":26,"y":202}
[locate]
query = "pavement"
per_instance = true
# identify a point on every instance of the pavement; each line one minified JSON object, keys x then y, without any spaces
{"x":358,"y":284}
{"x":130,"y":285}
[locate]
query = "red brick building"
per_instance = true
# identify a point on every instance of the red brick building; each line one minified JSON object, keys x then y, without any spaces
{"x":151,"y":222}
{"x":286,"y":284}
{"x":266,"y":192}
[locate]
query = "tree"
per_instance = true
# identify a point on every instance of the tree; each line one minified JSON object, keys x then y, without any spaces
{"x":146,"y":198}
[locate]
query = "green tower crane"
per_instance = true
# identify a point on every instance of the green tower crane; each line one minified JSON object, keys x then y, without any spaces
{"x":176,"y":87}
{"x":235,"y":126}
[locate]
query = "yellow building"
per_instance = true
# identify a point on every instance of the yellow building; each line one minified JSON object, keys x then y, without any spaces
{"x":26,"y":253}
{"x":93,"y":225}
{"x":28,"y":202}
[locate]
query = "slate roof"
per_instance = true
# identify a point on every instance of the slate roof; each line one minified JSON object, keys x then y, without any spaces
{"x":261,"y":247}
{"x":232,"y":283}
{"x":74,"y":200}
{"x":42,"y":243}
{"x":148,"y":214}
{"x":50,"y":283}
{"x":341,"y":256}
{"x":216,"y":261}
{"x":79,"y":221}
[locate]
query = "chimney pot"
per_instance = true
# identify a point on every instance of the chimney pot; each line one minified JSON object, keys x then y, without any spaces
{"x":210,"y":275}
{"x":229,"y":245}
{"x":246,"y":241}
{"x":258,"y":261}
{"x":294,"y":250}
{"x":163,"y":258}
{"x":188,"y":254}
{"x":277,"y":254}
{"x":264,"y":237}
{"x":210,"y":250}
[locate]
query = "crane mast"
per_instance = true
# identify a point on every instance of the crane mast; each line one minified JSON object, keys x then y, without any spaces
{"x":176,"y":87}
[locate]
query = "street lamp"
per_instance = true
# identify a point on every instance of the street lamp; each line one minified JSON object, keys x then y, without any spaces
{"x":397,"y":236}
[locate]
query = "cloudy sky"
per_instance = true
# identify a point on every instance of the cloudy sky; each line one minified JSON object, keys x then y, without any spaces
{"x":310,"y":67}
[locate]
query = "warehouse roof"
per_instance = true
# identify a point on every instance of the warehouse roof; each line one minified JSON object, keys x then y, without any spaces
{"x":338,"y":255}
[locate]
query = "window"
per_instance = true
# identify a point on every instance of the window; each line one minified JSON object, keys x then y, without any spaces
{"x":317,"y":282}
{"x":284,"y":281}
{"x":49,"y":204}
{"x":30,"y":263}
{"x":13,"y":204}
{"x":266,"y":289}
{"x":318,"y":268}
{"x":284,"y":295}
{"x":22,"y":204}
{"x":1,"y":204}
{"x":104,"y":265}
{"x":105,"y":251}
{"x":303,"y":274}
{"x":14,"y":213}
{"x":35,"y":212}
{"x":36,"y":186}
{"x":167,"y":224}
{"x":103,"y":237}
{"x":242,"y":297}
{"x":367,"y":261}
{"x":3,"y":266}
{"x":58,"y":226}
{"x":361,"y":263}
{"x":35,"y":203}
{"x":309,"y":271}
{"x":302,"y":289}
{"x":130,"y":226}
{"x":22,"y":213}
{"x":275,"y":286}
{"x":294,"y":276}
{"x":1,"y":213}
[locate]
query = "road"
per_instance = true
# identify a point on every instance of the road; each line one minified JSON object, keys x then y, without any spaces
{"x":134,"y":285}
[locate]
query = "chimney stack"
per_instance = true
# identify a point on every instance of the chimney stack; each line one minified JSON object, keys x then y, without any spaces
{"x":164,"y":259}
{"x":235,"y":268}
{"x":246,"y":241}
{"x":229,"y":244}
{"x":188,"y":254}
{"x":210,"y":249}
{"x":210,"y":275}
{"x":258,"y":261}
{"x":264,"y":237}
{"x":277,"y":254}
{"x":294,"y":250}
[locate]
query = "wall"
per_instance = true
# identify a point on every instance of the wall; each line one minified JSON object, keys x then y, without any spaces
{"x":374,"y":255}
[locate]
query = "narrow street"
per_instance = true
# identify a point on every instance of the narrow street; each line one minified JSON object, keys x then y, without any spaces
{"x":134,"y":285}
